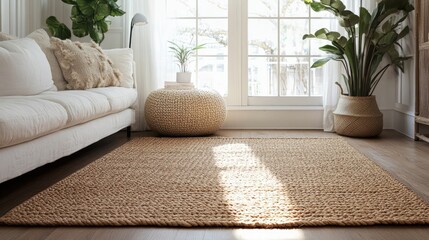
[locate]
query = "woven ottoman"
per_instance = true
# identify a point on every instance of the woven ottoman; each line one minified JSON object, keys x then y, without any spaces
{"x":193,"y":112}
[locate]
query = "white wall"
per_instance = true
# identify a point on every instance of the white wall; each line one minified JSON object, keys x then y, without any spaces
{"x":404,"y":102}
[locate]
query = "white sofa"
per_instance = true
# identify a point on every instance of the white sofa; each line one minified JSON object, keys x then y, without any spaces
{"x":36,"y":129}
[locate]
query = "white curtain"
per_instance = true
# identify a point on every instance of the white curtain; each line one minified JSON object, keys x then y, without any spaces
{"x":333,"y":70}
{"x":148,"y":44}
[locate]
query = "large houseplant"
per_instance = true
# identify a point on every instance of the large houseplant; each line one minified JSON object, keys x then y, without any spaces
{"x":89,"y":17}
{"x":182,"y":54}
{"x":370,"y":38}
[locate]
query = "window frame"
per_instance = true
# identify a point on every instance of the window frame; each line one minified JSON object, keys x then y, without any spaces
{"x":237,"y":59}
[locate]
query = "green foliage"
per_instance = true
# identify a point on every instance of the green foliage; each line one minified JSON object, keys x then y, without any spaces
{"x":183,"y":54}
{"x":370,"y":37}
{"x":89,"y":17}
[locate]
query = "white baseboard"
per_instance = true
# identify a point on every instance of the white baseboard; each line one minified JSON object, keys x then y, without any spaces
{"x":254,"y":118}
{"x":403,"y":123}
{"x":274,"y":119}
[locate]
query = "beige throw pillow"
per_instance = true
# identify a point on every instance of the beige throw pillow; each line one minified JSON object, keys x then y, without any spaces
{"x":84,"y":65}
{"x":42,"y":39}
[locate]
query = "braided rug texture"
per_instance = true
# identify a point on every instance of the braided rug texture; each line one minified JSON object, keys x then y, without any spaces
{"x":226,"y":182}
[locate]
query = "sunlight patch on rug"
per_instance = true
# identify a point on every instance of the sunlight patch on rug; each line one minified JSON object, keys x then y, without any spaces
{"x":254,"y":174}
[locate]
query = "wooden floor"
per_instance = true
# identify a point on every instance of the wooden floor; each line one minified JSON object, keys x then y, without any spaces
{"x":404,"y":158}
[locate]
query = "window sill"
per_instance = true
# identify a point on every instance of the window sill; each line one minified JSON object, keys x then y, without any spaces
{"x":274,"y":108}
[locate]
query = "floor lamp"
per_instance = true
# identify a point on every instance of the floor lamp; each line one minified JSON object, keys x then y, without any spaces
{"x":138,"y":20}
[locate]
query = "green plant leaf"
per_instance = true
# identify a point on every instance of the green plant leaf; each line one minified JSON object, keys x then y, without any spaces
{"x":52,"y":22}
{"x":76,"y":16}
{"x":321,"y":33}
{"x":57,"y":29}
{"x":332,"y":50}
{"x":388,"y":39}
{"x":96,"y":35}
{"x":103,"y":10}
{"x":116,"y":12}
{"x":317,"y":7}
{"x":320,"y":62}
{"x":342,"y":41}
{"x":338,"y":5}
{"x":80,"y":29}
{"x":346,"y":82}
{"x":103,"y":26}
{"x":85,"y":7}
{"x":332,"y":36}
{"x":404,"y":32}
{"x":348,"y":19}
{"x":308,"y":36}
{"x":364,"y":21}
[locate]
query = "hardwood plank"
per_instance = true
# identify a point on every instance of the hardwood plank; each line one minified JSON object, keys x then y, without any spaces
{"x":404,"y":158}
{"x":25,"y":233}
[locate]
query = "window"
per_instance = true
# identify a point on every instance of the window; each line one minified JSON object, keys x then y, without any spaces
{"x":254,"y":52}
{"x":197,"y":22}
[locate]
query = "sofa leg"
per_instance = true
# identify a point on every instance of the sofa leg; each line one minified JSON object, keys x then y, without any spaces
{"x":129,"y":132}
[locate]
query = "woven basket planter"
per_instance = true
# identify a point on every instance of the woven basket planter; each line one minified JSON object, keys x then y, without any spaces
{"x":358,"y":117}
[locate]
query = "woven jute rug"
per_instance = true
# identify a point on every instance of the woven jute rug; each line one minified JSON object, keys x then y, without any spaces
{"x":226,"y":182}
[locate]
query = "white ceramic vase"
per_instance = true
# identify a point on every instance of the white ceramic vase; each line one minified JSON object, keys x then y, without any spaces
{"x":183,"y":77}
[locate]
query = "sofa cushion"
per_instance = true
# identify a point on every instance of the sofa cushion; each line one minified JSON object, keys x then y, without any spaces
{"x":42,"y":39}
{"x":24,"y":69}
{"x":119,"y":98}
{"x":25,"y":118}
{"x":81,"y":106}
{"x":122,"y":59}
{"x":5,"y":37}
{"x":84,"y":65}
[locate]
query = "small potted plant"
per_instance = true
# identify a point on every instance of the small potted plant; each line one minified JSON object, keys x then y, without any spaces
{"x":182,"y":54}
{"x":369,"y":39}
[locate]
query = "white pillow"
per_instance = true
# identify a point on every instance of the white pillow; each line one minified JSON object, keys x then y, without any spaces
{"x":122,"y":59}
{"x":42,"y":38}
{"x":24,"y":69}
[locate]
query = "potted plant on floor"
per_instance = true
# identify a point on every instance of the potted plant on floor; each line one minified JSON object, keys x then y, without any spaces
{"x":182,"y":54}
{"x":370,"y":38}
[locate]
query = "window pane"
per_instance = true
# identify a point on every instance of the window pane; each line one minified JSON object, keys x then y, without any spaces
{"x":213,"y":8}
{"x":181,"y":8}
{"x":316,"y":79}
{"x":294,"y":76}
{"x":317,"y":43}
{"x":263,"y":80}
{"x":291,"y":32}
{"x":213,"y":33}
{"x":182,"y":32}
{"x":213,"y":73}
{"x":263,"y":8}
{"x":263,"y":36}
{"x":322,"y":14}
{"x":293,"y":8}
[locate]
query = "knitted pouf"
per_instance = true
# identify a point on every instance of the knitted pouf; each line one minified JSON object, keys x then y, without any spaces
{"x":193,"y":112}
